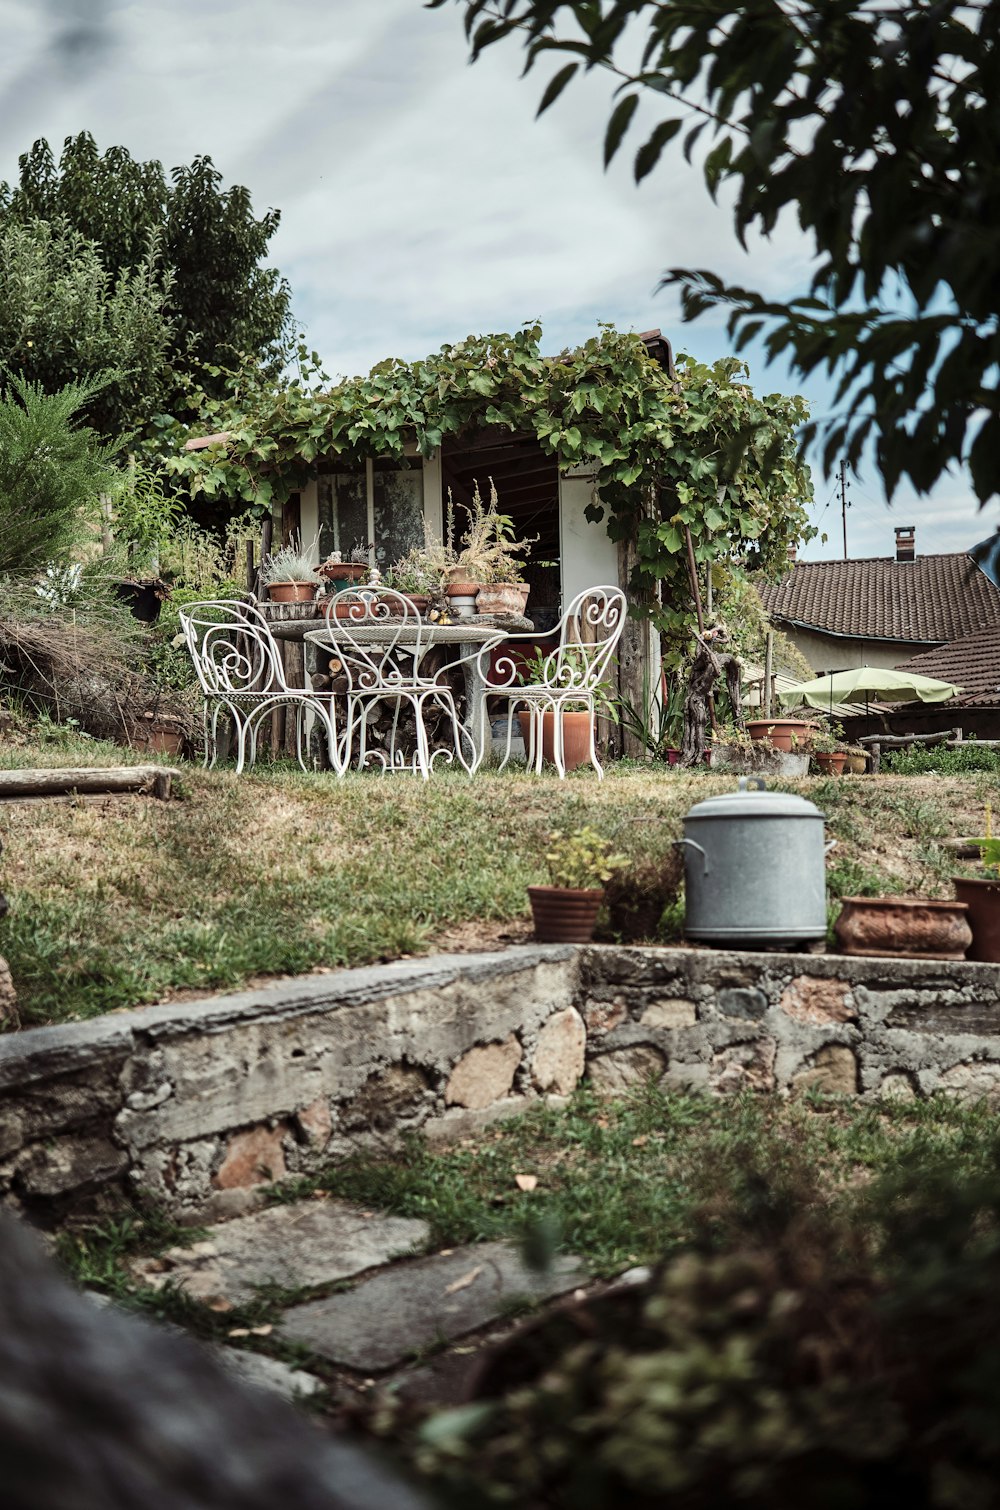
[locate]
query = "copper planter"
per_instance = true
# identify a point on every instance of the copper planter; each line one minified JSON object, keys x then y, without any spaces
{"x":564,"y":914}
{"x":903,"y":928}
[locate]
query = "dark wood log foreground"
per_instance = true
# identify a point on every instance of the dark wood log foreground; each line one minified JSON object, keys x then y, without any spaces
{"x":86,"y":780}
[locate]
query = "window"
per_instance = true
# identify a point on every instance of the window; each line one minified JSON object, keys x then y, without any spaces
{"x":381,"y":504}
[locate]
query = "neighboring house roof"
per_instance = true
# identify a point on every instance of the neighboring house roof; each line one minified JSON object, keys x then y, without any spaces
{"x":972,"y":662}
{"x":929,"y":600}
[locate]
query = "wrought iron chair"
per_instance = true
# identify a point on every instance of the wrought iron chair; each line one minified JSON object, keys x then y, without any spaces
{"x":242,"y":676}
{"x":569,"y":676}
{"x":376,"y":634}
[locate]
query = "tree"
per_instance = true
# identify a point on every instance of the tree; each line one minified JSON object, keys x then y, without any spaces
{"x":65,"y":319}
{"x":53,"y":473}
{"x":877,"y":125}
{"x":222,"y":304}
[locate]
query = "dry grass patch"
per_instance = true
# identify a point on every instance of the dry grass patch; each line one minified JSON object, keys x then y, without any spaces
{"x":280,"y":873}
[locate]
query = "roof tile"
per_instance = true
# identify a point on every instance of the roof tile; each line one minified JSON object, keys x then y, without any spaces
{"x":972,"y":662}
{"x":931,"y":599}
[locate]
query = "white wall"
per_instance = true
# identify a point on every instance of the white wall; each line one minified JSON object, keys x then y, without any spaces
{"x":589,"y":556}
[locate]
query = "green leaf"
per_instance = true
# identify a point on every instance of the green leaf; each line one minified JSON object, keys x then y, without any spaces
{"x":648,"y":155}
{"x":556,"y":86}
{"x":621,"y":116}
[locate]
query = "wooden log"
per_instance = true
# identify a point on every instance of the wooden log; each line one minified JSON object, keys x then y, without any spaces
{"x":293,"y":655}
{"x":898,"y":741}
{"x":59,"y":783}
{"x":765,"y":691}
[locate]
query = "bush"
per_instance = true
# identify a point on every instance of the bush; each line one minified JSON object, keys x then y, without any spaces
{"x":942,"y":761}
{"x":794,"y":1356}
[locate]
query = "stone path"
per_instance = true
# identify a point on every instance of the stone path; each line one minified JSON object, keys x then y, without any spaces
{"x":400,"y":1306}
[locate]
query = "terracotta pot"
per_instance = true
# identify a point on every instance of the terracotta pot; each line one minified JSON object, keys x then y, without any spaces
{"x":904,"y":927}
{"x":781,"y":731}
{"x":292,"y":592}
{"x":347,"y":574}
{"x":503,"y":597}
{"x":831,"y":762}
{"x":576,"y":737}
{"x":982,"y":897}
{"x":334,"y":610}
{"x":564,"y":915}
{"x":673,"y":756}
{"x":421,"y":600}
{"x":161,"y":736}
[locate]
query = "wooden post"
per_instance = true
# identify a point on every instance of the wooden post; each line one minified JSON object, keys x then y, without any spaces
{"x":696,"y":594}
{"x":635,"y":676}
{"x":251,"y":568}
{"x":768,"y":672}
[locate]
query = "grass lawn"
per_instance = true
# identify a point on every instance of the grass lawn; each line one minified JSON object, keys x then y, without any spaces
{"x":127,"y":900}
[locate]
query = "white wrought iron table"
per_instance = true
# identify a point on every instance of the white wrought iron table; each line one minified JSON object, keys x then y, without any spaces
{"x":476,"y":636}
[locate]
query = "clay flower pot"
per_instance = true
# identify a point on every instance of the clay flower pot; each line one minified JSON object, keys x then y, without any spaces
{"x":576,"y":737}
{"x":903,"y":927}
{"x":982,"y":897}
{"x":781,"y":732}
{"x":461,"y":594}
{"x":831,"y":762}
{"x":503,"y":597}
{"x":564,"y":914}
{"x":292,"y":592}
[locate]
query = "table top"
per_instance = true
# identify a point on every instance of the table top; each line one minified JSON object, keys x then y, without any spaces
{"x":398,"y":629}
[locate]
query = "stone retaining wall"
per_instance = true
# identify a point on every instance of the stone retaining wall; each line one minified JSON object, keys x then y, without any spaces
{"x":198,"y":1106}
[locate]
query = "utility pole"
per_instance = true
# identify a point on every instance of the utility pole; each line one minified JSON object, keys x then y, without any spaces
{"x":844,"y":505}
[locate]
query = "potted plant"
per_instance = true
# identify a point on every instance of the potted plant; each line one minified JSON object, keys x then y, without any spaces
{"x":290,"y":576}
{"x":417,"y":576}
{"x":579,"y":862}
{"x":341,"y":571}
{"x":576,"y":717}
{"x":981,"y":894}
{"x":487,"y":563}
{"x":826,"y":751}
{"x":788,"y":734}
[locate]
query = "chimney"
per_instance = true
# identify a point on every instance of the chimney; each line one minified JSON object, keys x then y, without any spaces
{"x":906,"y":542}
{"x":793,"y":553}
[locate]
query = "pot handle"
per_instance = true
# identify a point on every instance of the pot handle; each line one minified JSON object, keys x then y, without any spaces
{"x":693,"y":845}
{"x":830,"y":844}
{"x":751,"y":784}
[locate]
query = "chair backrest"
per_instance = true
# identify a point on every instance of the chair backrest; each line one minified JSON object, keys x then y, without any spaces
{"x":232,"y":647}
{"x":588,"y":634}
{"x":378,"y":636}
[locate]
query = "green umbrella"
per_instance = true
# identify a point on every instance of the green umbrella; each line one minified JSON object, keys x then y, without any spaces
{"x":880,"y":683}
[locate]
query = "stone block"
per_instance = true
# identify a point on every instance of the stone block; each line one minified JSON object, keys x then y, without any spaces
{"x":611,"y":1074}
{"x":252,"y":1157}
{"x":458,"y":1122}
{"x":743,"y":1067}
{"x":978,"y":1079}
{"x":68,"y":1164}
{"x":315,"y":1122}
{"x":394,"y":1314}
{"x":484,"y":1074}
{"x":814,"y":1000}
{"x":833,"y":1069}
{"x":386,"y":1096}
{"x":670,"y":1012}
{"x":604,"y":1016}
{"x":560,"y":1054}
{"x":898,"y":1086}
{"x":298,"y":1246}
{"x":745,"y":1002}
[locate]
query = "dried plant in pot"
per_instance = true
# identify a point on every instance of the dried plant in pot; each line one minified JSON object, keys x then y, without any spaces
{"x":290,"y":576}
{"x":487,"y":563}
{"x":579,"y":864}
{"x":637,"y":894}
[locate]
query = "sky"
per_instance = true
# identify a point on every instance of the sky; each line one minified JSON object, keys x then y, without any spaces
{"x":420,"y":199}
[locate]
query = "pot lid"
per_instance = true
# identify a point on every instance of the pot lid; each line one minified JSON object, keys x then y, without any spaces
{"x":755,"y":804}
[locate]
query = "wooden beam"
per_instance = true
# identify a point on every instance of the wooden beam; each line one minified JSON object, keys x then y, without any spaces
{"x":153,"y":779}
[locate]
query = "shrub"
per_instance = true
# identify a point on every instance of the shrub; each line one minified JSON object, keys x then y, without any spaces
{"x":966,"y":757}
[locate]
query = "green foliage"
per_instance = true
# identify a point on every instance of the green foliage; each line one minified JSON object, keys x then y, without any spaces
{"x":966,"y":757}
{"x":702,"y":452}
{"x":580,"y":858}
{"x":53,"y":471}
{"x":219,"y":299}
{"x":143,"y":516}
{"x":64,"y":317}
{"x":894,"y":105}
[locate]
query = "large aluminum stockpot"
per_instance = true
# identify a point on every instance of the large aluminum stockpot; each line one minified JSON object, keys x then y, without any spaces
{"x":754,"y":869}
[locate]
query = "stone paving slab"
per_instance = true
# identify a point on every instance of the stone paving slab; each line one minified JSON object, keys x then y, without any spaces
{"x":268,"y":1373}
{"x":390,"y":1315}
{"x":303,"y":1245}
